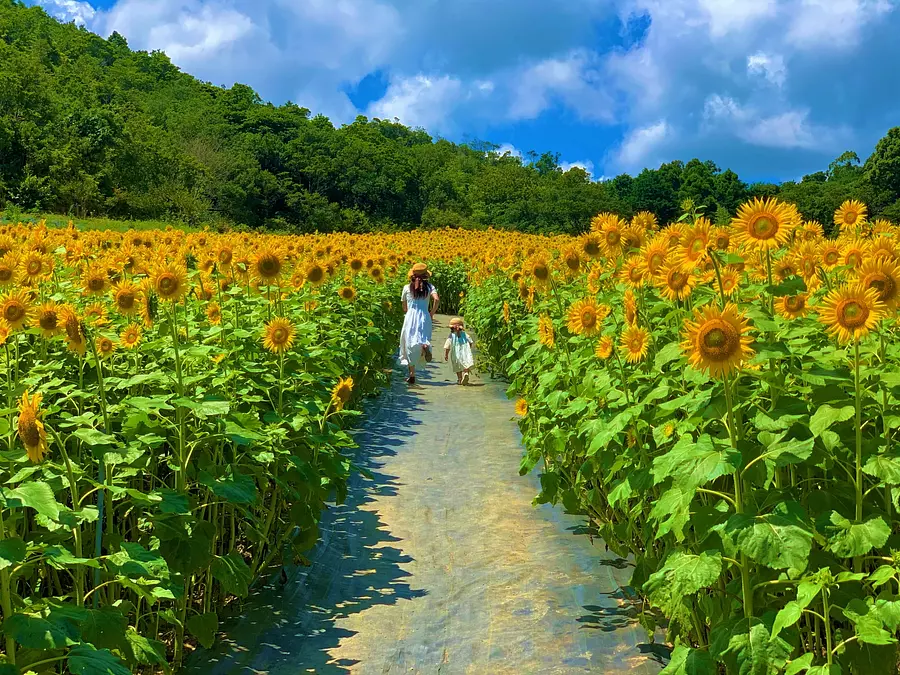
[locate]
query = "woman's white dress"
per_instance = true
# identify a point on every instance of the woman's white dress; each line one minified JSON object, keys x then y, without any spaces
{"x":416,"y":331}
{"x":460,"y":347}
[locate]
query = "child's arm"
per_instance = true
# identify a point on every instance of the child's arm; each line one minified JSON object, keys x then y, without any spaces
{"x":447,"y":350}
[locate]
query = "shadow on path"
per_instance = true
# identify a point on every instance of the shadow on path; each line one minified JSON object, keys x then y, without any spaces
{"x":290,"y":627}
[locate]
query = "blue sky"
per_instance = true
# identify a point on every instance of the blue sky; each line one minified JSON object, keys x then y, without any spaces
{"x":773,"y":89}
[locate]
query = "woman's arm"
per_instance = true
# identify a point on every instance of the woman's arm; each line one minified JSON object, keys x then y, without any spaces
{"x":436,"y":302}
{"x":405,"y":305}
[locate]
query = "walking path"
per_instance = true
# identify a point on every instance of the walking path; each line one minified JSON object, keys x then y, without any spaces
{"x":439,"y":564}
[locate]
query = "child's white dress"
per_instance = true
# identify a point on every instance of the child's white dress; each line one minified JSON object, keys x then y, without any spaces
{"x":416,"y":331}
{"x":460,"y":347}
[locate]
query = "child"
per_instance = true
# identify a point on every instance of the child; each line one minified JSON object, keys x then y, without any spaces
{"x":458,"y":350}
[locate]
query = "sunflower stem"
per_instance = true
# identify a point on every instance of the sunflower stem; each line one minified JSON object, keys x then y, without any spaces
{"x":101,"y":465}
{"x":76,"y":531}
{"x":746,"y":585}
{"x":6,"y":600}
{"x":857,"y":562}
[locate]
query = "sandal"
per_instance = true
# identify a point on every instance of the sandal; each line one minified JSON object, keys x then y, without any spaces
{"x":428,"y":355}
{"x":410,"y":380}
{"x":465,"y":380}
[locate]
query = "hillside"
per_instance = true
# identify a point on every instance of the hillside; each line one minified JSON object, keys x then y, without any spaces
{"x":90,"y":127}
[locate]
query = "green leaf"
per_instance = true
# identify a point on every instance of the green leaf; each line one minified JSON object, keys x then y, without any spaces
{"x":144,"y":651}
{"x":133,"y":560}
{"x":204,"y":628}
{"x":777,"y":540}
{"x":42,"y":630}
{"x":233,"y":486}
{"x":95,"y":437}
{"x":790,"y":286}
{"x":884,"y":467}
{"x":689,"y":661}
{"x":667,"y":354}
{"x":825,"y":416}
{"x":799,"y":665}
{"x":867,"y":622}
{"x":104,"y":628}
{"x":672,"y":512}
{"x":35,"y":495}
{"x":86,"y":660}
{"x":786,"y":617}
{"x":62,"y":558}
{"x":233,"y":573}
{"x":882,"y":575}
{"x":692,"y":464}
{"x":12,"y":552}
{"x":849,"y":539}
{"x":682,"y":574}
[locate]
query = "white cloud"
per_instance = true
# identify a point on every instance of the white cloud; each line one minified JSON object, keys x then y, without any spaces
{"x":419,"y":101}
{"x":505,"y":148}
{"x":832,"y":23}
{"x":586,"y":165}
{"x":640,"y":144}
{"x":574,"y":80}
{"x":69,"y":10}
{"x":769,"y":66}
{"x":789,"y":129}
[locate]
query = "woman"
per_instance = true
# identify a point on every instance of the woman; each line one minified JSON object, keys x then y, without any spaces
{"x":420,"y":303}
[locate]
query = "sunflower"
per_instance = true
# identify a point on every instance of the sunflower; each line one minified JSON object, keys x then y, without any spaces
{"x":214,"y":314}
{"x":720,"y":238}
{"x":75,"y":339}
{"x":633,"y":238}
{"x":105,"y":346}
{"x":546,"y":332}
{"x":315,"y":274}
{"x":811,"y":230}
{"x":148,"y":305}
{"x":653,"y":256}
{"x":376,"y":274}
{"x":634,"y":343}
{"x":784,"y":268}
{"x":852,"y":213}
{"x":521,"y":407}
{"x":524,"y":291}
{"x":538,"y":269}
{"x":730,"y":281}
{"x":830,"y":255}
{"x":347,"y":293}
{"x":340,"y":395}
{"x":224,"y":256}
{"x":572,"y":260}
{"x":793,"y":306}
{"x":8,"y":274}
{"x":692,"y":248}
{"x":47,"y":320}
{"x":131,"y":336}
{"x":5,"y":331}
{"x":356,"y":264}
{"x":36,"y":266}
{"x":674,"y":283}
{"x":95,"y":279}
{"x":853,"y":252}
{"x":591,"y":246}
{"x":612,"y":236}
{"x":883,"y":247}
{"x":506,"y":315}
{"x":604,"y":348}
{"x":629,"y":303}
{"x":15,"y":308}
{"x":170,"y":282}
{"x":96,"y":313}
{"x":126,"y":298}
{"x":850,"y":312}
{"x":584,"y":318}
{"x":268,"y":264}
{"x":645,"y":220}
{"x":763,"y":223}
{"x":278,"y":336}
{"x":883,"y":276}
{"x":31,"y":428}
{"x":716,"y":340}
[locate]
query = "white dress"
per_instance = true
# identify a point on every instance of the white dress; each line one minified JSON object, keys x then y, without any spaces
{"x":416,"y":331}
{"x":460,"y":347}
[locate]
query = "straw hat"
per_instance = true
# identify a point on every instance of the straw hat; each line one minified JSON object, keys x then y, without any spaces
{"x":456,"y":321}
{"x":419,"y":270}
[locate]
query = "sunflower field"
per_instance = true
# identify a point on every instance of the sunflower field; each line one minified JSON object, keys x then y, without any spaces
{"x":175,"y":420}
{"x":723,"y":403}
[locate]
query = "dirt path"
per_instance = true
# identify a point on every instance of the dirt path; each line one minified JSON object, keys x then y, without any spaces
{"x":440,"y":563}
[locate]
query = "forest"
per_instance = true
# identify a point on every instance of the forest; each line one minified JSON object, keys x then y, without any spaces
{"x":90,"y":127}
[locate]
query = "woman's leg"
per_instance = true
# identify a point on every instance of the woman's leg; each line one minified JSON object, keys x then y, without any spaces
{"x":412,"y":372}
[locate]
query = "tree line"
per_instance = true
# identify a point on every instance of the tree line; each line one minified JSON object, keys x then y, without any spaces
{"x":90,"y":127}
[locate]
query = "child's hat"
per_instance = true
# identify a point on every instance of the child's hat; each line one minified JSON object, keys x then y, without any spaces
{"x":456,"y":321}
{"x":419,"y":270}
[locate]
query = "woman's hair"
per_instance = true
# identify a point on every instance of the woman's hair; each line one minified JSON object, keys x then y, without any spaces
{"x":419,"y":287}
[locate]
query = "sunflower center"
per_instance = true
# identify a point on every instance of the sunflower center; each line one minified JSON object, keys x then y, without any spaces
{"x":677,"y":280}
{"x":613,"y":238}
{"x":125,"y":300}
{"x":718,"y":340}
{"x":831,"y":257}
{"x":573,"y":262}
{"x":795,"y":303}
{"x":48,"y":320}
{"x":763,"y":227}
{"x":167,"y":285}
{"x":854,"y":258}
{"x":279,"y":336}
{"x":356,"y":265}
{"x":885,"y":286}
{"x":722,"y":242}
{"x":541,"y":272}
{"x":34,"y":267}
{"x":697,"y":246}
{"x":6,"y":273}
{"x":851,"y":217}
{"x":852,"y":314}
{"x":269,"y":266}
{"x":316,"y":274}
{"x":225,"y":256}
{"x":28,"y":430}
{"x":14,"y":312}
{"x":592,"y":248}
{"x":656,"y":261}
{"x":588,"y":318}
{"x":95,"y":284}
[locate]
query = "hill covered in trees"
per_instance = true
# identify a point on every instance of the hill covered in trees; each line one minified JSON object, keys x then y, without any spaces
{"x":90,"y":127}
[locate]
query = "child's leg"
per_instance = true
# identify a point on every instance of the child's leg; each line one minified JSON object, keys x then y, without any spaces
{"x":465,"y":376}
